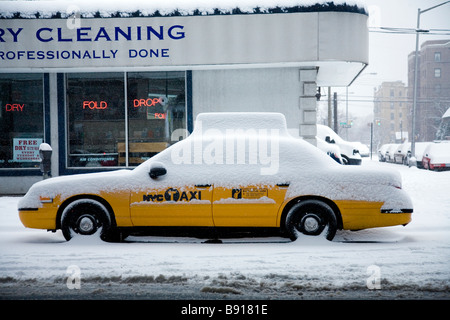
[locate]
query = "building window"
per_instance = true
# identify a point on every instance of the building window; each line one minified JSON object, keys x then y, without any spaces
{"x":437,"y":57}
{"x":437,"y":89}
{"x":437,"y":73}
{"x":105,"y":129}
{"x":156,"y":112}
{"x":96,"y":118}
{"x":21,"y":120}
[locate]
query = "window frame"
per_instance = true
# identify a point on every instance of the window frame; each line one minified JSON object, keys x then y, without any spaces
{"x":437,"y":72}
{"x":63,"y":124}
{"x":46,"y":131}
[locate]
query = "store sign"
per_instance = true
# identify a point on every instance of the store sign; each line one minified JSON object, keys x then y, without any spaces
{"x":26,"y":149}
{"x":158,"y":41}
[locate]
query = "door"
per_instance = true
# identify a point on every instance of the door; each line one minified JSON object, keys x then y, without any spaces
{"x":248,"y":206}
{"x":172,"y":206}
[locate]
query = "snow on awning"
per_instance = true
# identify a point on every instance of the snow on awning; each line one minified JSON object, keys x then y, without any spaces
{"x":139,"y":8}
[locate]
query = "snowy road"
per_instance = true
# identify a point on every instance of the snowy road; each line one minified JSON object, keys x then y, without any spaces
{"x":409,"y":262}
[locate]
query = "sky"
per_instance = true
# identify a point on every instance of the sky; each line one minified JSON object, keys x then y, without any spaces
{"x":388,"y":53}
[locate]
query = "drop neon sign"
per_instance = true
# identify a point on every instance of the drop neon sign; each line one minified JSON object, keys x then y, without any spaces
{"x":149,"y":102}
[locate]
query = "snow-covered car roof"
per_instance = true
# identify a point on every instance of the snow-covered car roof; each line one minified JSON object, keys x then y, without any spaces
{"x":438,"y":152}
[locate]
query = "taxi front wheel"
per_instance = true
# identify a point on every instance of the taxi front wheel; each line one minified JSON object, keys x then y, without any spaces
{"x":85,"y":217}
{"x":311,"y":217}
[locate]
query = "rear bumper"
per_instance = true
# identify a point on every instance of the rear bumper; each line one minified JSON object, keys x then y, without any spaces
{"x":357,"y":215}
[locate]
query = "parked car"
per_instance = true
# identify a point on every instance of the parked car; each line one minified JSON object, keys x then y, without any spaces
{"x":236,"y":171}
{"x":382,"y":152}
{"x":363,"y":149}
{"x":419,"y":150}
{"x":437,"y":156}
{"x":401,"y":153}
{"x":350,"y":155}
{"x":390,"y":151}
{"x":330,"y":149}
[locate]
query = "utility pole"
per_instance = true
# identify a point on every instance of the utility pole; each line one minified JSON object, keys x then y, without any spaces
{"x":330,"y":112}
{"x":335,"y":113}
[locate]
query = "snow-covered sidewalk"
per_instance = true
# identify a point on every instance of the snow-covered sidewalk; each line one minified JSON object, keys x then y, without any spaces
{"x":388,"y":263}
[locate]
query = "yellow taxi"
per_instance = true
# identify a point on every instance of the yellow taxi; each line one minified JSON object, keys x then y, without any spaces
{"x":236,"y":171}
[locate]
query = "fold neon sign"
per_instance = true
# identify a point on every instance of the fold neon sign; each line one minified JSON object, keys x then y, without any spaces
{"x":100,"y":105}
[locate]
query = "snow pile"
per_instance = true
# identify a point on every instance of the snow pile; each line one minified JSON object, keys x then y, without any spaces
{"x":139,"y":8}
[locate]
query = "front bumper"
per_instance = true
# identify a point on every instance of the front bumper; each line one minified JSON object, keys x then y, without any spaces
{"x":356,"y":162}
{"x":38,"y":218}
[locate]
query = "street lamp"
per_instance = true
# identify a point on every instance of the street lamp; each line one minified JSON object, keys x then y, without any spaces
{"x":418,"y":31}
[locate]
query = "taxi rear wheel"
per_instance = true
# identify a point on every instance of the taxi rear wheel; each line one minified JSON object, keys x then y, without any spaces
{"x":311,"y":217}
{"x":85,"y":217}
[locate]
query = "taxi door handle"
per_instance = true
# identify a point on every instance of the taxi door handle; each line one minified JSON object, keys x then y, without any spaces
{"x":203,"y":185}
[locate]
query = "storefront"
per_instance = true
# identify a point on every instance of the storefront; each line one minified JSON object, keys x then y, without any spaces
{"x":110,"y":92}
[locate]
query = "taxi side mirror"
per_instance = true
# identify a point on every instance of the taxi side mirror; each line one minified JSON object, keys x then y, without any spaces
{"x":155,"y":172}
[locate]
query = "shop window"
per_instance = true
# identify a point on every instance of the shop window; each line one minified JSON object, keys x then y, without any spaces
{"x":96,"y":118}
{"x":156,"y":114}
{"x":21,"y":120}
{"x":104,"y":130}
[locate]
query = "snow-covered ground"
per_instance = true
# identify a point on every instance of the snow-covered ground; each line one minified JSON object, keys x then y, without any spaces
{"x":409,"y":262}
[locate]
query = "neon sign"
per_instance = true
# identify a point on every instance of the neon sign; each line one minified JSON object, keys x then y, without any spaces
{"x":95,"y":105}
{"x":149,"y":102}
{"x":14,"y":107}
{"x":159,"y":115}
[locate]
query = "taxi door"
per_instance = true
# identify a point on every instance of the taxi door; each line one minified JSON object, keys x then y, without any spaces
{"x":172,"y":206}
{"x":248,"y":206}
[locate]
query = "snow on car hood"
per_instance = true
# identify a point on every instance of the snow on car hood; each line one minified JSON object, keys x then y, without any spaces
{"x":66,"y":186}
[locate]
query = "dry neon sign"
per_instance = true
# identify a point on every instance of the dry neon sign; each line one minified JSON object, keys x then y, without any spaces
{"x":10,"y":107}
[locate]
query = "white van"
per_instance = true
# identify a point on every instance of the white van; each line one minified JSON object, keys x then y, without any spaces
{"x":349,"y":154}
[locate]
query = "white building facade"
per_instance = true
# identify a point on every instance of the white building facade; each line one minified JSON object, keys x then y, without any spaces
{"x":109,"y":92}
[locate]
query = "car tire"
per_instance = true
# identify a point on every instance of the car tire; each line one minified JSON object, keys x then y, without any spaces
{"x":86,"y":217}
{"x":311,"y":217}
